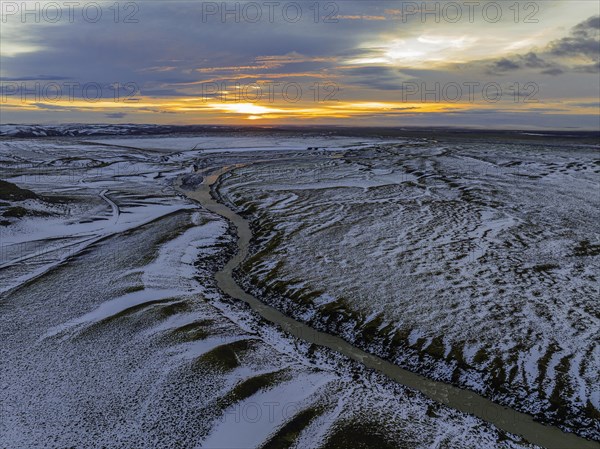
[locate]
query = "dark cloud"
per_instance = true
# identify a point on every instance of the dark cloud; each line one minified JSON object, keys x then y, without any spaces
{"x":593,"y":23}
{"x":157,"y":111}
{"x":533,"y":61}
{"x":528,"y":61}
{"x":37,"y":78}
{"x":590,"y":104}
{"x":173,"y":36}
{"x":583,"y":40}
{"x":553,"y":71}
{"x":116,"y":115}
{"x":498,"y":111}
{"x":588,"y":68}
{"x":504,"y":65}
{"x":164,"y":92}
{"x":374,"y":77}
{"x":52,"y":107}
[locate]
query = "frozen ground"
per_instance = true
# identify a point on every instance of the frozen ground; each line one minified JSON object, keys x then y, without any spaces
{"x":112,"y":333}
{"x":473,"y":263}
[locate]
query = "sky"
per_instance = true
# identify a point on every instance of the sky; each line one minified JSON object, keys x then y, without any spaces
{"x":480,"y":64}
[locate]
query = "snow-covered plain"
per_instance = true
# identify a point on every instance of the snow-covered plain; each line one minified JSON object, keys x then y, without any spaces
{"x":113,"y":333}
{"x":472,"y":263}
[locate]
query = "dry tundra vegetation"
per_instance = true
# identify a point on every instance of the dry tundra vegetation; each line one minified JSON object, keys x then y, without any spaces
{"x":474,"y":264}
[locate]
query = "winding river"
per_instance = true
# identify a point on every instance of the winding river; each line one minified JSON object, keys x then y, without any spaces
{"x":463,"y":400}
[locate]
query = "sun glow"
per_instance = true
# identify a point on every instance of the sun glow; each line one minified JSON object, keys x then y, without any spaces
{"x":192,"y":110}
{"x":243,"y":108}
{"x":418,"y":51}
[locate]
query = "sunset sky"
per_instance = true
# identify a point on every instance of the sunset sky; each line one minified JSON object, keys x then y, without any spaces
{"x":350,"y":63}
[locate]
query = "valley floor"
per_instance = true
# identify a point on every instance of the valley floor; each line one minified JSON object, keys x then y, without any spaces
{"x":114,"y":333}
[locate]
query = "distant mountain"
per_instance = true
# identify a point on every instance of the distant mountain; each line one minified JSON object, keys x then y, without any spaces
{"x":83,"y":130}
{"x":10,"y":130}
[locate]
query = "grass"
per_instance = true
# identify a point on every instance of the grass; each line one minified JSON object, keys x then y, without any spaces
{"x":585,"y":248}
{"x":306,"y":295}
{"x":248,"y":387}
{"x":133,"y":289}
{"x":400,"y":338}
{"x":193,"y":331}
{"x":558,"y":402}
{"x":357,"y":435}
{"x":370,"y":331}
{"x":338,"y":310}
{"x":176,"y":308}
{"x":498,"y":373}
{"x":545,"y":360}
{"x":456,"y":354}
{"x":542,"y":268}
{"x":289,"y":433}
{"x":12,"y":192}
{"x":271,"y":246}
{"x":592,"y":412}
{"x":436,"y":348}
{"x":225,"y":357}
{"x":130,"y":312}
{"x":431,"y":410}
{"x":15,"y":212}
{"x":480,"y":356}
{"x":139,"y":307}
